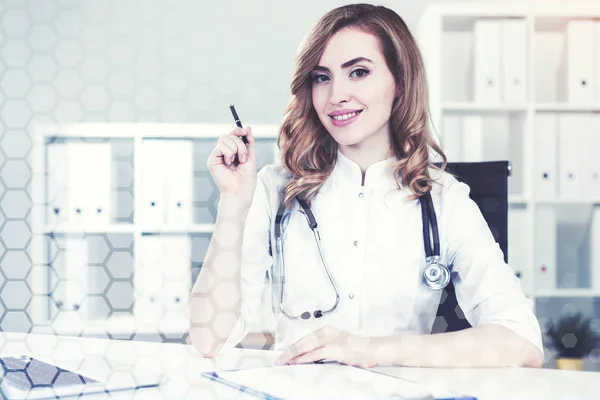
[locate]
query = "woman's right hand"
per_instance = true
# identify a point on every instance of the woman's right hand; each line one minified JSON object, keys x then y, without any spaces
{"x":239,"y":180}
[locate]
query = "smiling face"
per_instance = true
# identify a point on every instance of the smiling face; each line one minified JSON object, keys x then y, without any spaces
{"x":353,"y":91}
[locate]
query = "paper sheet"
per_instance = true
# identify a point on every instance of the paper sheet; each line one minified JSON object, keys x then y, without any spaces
{"x":325,"y":381}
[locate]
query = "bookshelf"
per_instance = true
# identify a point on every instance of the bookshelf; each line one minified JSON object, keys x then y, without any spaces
{"x":554,"y":232}
{"x":108,"y":296}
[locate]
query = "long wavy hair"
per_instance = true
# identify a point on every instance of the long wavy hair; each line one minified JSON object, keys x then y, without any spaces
{"x":309,"y":153}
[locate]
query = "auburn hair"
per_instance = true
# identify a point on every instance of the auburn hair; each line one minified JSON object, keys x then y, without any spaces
{"x":309,"y":153}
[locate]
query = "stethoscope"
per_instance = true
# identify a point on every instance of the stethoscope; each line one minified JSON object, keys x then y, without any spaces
{"x":436,"y":275}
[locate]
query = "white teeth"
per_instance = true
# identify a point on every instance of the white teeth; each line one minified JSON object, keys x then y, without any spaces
{"x":344,"y":117}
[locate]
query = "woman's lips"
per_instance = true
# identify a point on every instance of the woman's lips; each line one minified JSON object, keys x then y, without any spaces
{"x":345,"y":122}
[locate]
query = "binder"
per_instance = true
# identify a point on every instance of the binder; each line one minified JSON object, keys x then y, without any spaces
{"x":595,"y":249}
{"x":162,"y":281}
{"x":514,"y":60}
{"x":571,"y":144}
{"x":148,"y":279}
{"x":77,"y":184}
{"x":71,"y":270}
{"x":518,"y":246}
{"x":176,"y":272}
{"x":545,"y":250}
{"x":589,"y":157}
{"x":545,"y":157}
{"x":472,"y":138}
{"x":152,"y":171}
{"x":487,"y":61}
{"x":451,"y":137}
{"x":57,"y":208}
{"x":98,"y":210}
{"x":597,"y":63}
{"x":580,"y":63}
{"x":179,"y":181}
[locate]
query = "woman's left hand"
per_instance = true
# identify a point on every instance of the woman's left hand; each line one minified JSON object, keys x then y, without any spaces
{"x":333,"y":345}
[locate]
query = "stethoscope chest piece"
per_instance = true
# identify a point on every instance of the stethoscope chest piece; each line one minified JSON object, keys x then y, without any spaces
{"x":436,"y":275}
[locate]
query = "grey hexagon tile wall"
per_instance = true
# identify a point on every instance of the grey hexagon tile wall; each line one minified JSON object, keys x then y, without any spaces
{"x":121,"y":61}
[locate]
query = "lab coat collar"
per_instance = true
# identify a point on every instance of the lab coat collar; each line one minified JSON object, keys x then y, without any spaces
{"x":379,"y":174}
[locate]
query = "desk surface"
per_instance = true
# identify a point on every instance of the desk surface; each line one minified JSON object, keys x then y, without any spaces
{"x":183,"y":365}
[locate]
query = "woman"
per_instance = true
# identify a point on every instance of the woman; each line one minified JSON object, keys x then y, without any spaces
{"x":355,"y":144}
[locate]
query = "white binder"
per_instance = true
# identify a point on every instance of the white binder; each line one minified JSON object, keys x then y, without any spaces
{"x":589,"y":154}
{"x":98,"y":170}
{"x":472,"y":138}
{"x":597,"y":63}
{"x":518,"y":246}
{"x":545,"y":250}
{"x":71,"y":270}
{"x":514,"y":60}
{"x":179,"y":181}
{"x":487,"y":61}
{"x":570,"y":146}
{"x":58,"y":180}
{"x":545,"y":157}
{"x":580,"y":61}
{"x":175,"y":293}
{"x":163,"y":279}
{"x":451,"y":142}
{"x":79,"y":184}
{"x":595,"y":249}
{"x":148,"y":279}
{"x":152,"y":213}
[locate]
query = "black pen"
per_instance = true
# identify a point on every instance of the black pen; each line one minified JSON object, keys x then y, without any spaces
{"x":238,"y":122}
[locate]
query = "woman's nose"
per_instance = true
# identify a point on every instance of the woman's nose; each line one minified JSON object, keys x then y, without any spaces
{"x":340,"y":93}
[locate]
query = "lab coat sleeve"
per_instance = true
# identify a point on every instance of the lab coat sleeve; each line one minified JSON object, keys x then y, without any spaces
{"x":487,"y":289}
{"x":255,"y":262}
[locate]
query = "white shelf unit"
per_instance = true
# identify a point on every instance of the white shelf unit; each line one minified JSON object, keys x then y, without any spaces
{"x":45,"y":315}
{"x":447,"y":35}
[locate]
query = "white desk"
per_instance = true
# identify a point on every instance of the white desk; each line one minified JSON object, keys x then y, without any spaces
{"x":183,"y":365}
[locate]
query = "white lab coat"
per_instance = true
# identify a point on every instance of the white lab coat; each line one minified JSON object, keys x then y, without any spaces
{"x":372,"y":241}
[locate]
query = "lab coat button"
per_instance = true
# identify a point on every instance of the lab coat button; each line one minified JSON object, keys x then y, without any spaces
{"x":361,"y":195}
{"x":351,"y":296}
{"x":356,"y":243}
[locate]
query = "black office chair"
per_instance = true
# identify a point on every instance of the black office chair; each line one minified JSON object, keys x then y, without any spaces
{"x":489,"y":189}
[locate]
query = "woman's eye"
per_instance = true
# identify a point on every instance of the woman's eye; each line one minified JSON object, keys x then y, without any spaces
{"x":320,"y":78}
{"x":360,"y":73}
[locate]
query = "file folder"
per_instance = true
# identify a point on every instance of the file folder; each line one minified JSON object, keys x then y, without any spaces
{"x":545,"y":250}
{"x":580,"y":61}
{"x":152,"y":213}
{"x":179,"y":181}
{"x":57,"y":208}
{"x":514,"y":60}
{"x":545,"y":157}
{"x":487,"y":61}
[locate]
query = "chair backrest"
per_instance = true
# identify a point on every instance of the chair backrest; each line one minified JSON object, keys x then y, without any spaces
{"x":489,"y":189}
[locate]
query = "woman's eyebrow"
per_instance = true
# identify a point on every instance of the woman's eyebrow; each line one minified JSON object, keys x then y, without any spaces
{"x":344,"y":65}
